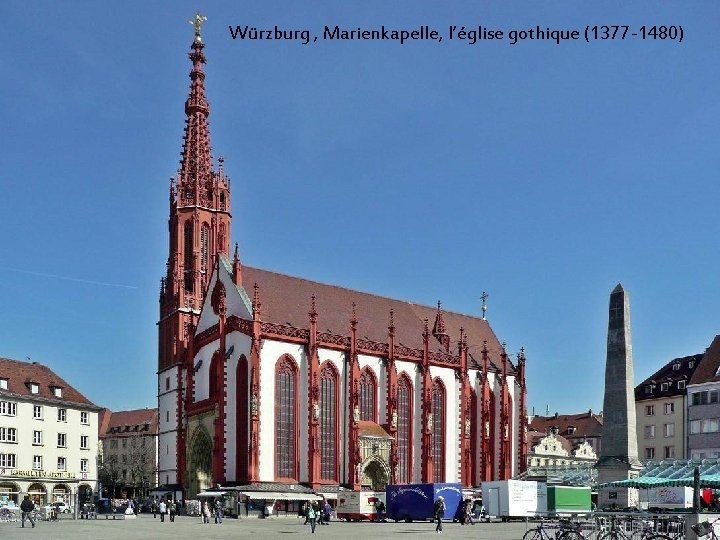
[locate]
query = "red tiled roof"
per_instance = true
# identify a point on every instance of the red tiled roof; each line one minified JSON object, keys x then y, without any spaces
{"x":708,"y":368}
{"x":586,"y":424}
{"x":123,"y":422}
{"x":286,"y":300}
{"x":19,"y":374}
{"x":371,"y":429}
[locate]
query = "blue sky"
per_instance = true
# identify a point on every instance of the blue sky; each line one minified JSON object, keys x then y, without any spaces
{"x":542,"y":173}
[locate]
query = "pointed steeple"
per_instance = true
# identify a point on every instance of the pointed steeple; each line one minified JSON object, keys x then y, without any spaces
{"x":439,"y":331}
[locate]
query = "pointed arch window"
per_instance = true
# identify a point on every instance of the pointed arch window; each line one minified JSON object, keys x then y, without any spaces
{"x":328,"y":423}
{"x":286,"y":432}
{"x":404,"y":430}
{"x":438,"y":430}
{"x":188,"y":255}
{"x":222,"y":200}
{"x":368,"y":393}
{"x":204,"y":238}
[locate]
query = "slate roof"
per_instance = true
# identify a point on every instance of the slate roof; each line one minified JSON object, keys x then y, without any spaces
{"x":708,"y":368}
{"x":652,"y":387}
{"x":286,"y":300}
{"x":586,"y":424}
{"x":130,"y":423}
{"x":20,"y":374}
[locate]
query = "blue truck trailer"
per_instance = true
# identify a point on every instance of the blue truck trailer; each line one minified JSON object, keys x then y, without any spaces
{"x":415,"y":502}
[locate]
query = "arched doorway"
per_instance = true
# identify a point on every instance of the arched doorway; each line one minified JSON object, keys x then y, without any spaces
{"x":61,"y":492}
{"x":375,"y":475}
{"x":85,"y":494}
{"x":9,"y":492}
{"x":38,"y":493}
{"x":199,"y":472}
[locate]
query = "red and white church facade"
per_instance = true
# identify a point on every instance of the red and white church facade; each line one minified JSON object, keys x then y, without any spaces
{"x":269,"y":378}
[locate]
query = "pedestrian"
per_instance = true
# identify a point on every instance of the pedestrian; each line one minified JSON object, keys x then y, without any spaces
{"x":303,"y":512}
{"x":311,"y":516}
{"x":380,"y":511}
{"x":27,"y":508}
{"x":469,"y":507}
{"x":154,"y":506}
{"x":162,"y":509}
{"x":173,"y":510}
{"x":439,"y":512}
{"x":218,"y":512}
{"x":206,"y":512}
{"x":327,"y":510}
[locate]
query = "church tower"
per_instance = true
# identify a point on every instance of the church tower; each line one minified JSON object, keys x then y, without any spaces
{"x":199,"y":229}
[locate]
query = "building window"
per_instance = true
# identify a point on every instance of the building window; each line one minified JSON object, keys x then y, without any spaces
{"x":124,"y":444}
{"x":669,"y":452}
{"x":404,"y":429}
{"x":188,"y":256}
{"x":57,"y":391}
{"x":664,"y":386}
{"x":84,"y":418}
{"x":649,"y":410}
{"x":62,"y":415}
{"x":437,"y":409}
{"x":37,"y":462}
{"x":648,"y":389}
{"x":37,"y":438}
{"x":167,"y":383}
{"x":328,"y":423}
{"x":649,"y":453}
{"x":83,"y":465}
{"x":669,"y":408}
{"x":34,"y":388}
{"x":8,"y":435}
{"x":8,"y":460}
{"x":204,"y":234}
{"x":3,"y":384}
{"x":62,"y":440}
{"x":113,"y":444}
{"x":62,"y":463}
{"x":8,"y":408}
{"x":367,"y":396}
{"x":676,"y":366}
{"x":37,"y":412}
{"x":691,"y":364}
{"x":84,"y":442}
{"x":167,"y":416}
{"x":681,"y":385}
{"x":650,"y":432}
{"x":669,"y":430}
{"x":709,"y":425}
{"x":286,"y":418}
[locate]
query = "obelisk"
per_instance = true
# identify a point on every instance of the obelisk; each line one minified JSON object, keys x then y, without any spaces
{"x":619,"y":453}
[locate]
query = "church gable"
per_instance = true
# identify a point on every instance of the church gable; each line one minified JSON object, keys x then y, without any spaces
{"x":222,"y":290}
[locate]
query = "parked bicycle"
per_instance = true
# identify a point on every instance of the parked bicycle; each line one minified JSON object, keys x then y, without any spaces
{"x":639,"y":530}
{"x":564,"y":530}
{"x":8,"y":515}
{"x":706,"y":528}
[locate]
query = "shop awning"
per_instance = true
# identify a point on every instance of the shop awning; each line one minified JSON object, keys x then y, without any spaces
{"x":211,"y":494}
{"x":276,"y":496}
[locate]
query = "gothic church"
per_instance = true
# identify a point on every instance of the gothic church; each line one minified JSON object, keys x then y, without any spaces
{"x":269,"y":378}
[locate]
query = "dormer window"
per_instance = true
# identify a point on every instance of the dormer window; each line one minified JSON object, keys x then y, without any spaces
{"x":681,"y":385}
{"x":57,"y":391}
{"x":648,"y":389}
{"x":664,"y":386}
{"x":676,"y":366}
{"x":571,"y":430}
{"x":691,"y":364}
{"x":34,"y":388}
{"x":3,"y":384}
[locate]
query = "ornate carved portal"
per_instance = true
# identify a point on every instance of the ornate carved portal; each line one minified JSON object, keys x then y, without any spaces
{"x":199,"y":471}
{"x":374,"y":468}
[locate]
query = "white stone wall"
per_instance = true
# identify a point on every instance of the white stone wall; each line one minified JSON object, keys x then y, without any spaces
{"x":241,"y":346}
{"x":167,"y":426}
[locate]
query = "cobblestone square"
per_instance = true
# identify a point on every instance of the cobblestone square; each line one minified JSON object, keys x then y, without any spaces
{"x":145,"y":527}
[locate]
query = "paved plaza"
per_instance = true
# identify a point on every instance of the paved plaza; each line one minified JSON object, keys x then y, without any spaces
{"x":145,"y":527}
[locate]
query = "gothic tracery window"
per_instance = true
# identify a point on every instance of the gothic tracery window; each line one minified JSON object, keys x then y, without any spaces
{"x":438,"y":430}
{"x":204,"y":237}
{"x":328,"y":423}
{"x":188,"y":255}
{"x":286,"y":418}
{"x":367,"y":396}
{"x":404,"y":430}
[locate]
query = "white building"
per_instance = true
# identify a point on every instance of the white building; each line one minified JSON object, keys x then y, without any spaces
{"x":48,"y":436}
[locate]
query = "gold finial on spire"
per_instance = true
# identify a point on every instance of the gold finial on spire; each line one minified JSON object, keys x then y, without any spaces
{"x":197,"y":22}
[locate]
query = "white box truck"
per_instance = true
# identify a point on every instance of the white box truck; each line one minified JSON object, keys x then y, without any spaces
{"x":358,"y":505}
{"x":514,"y":498}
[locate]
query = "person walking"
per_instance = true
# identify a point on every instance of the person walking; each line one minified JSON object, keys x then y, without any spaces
{"x":218,"y":512}
{"x":327,"y":510}
{"x":162,"y":509}
{"x":27,"y":508}
{"x":154,"y":506}
{"x":439,"y":512}
{"x":311,"y":516}
{"x":206,"y":512}
{"x":173,"y":510}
